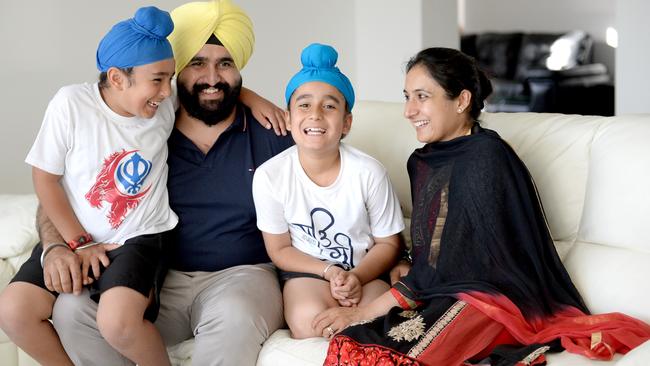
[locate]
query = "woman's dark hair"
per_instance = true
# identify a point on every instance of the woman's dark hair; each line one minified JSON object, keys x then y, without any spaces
{"x":455,"y":71}
{"x":103,"y":77}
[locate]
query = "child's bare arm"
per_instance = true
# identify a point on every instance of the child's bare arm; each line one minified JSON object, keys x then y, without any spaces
{"x":63,"y":275}
{"x":379,"y":259}
{"x":267,"y":114}
{"x":55,"y":204}
{"x":288,"y":258}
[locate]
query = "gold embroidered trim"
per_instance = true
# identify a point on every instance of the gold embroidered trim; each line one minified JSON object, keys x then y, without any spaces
{"x":408,"y":314}
{"x":533,"y":355}
{"x":408,"y":330}
{"x":434,"y":250}
{"x":437,"y":328}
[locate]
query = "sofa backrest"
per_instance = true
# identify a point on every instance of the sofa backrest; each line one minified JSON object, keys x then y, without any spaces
{"x":593,"y":178}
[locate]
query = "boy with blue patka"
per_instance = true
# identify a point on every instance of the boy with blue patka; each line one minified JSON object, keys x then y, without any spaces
{"x":100,"y":173}
{"x":328,"y":213}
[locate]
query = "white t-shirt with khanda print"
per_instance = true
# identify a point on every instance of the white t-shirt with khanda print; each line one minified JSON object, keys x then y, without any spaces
{"x":337,"y":223}
{"x":113,"y":168}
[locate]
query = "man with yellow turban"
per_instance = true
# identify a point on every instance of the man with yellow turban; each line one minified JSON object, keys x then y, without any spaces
{"x":221,"y":288}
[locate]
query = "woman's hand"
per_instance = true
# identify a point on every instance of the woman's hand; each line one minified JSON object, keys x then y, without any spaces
{"x":333,"y":320}
{"x":266,"y":113}
{"x":400,"y":270}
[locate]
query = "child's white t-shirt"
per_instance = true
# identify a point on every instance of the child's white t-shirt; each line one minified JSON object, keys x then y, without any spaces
{"x":335,"y":223}
{"x":114,"y":168}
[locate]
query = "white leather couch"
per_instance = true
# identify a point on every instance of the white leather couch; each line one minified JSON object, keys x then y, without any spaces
{"x":593,"y":176}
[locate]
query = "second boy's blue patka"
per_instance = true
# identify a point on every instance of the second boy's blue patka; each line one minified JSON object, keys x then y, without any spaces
{"x":319,"y":62}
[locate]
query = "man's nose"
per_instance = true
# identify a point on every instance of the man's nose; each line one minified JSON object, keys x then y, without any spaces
{"x":213,"y":76}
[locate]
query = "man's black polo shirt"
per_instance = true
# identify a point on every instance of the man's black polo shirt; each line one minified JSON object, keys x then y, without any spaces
{"x":211,"y":194}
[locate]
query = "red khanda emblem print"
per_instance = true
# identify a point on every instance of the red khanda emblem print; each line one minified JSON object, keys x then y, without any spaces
{"x":120,"y":183}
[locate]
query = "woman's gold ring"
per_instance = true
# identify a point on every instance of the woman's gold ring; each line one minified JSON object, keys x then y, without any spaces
{"x":330,"y":331}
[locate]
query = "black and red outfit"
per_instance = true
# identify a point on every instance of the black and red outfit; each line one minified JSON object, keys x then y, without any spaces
{"x":486,"y":284}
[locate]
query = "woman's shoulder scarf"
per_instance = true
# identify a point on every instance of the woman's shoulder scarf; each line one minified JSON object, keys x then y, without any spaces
{"x":495,"y":238}
{"x":495,"y":249}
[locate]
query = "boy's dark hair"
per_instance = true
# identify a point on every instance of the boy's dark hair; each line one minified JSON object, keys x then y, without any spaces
{"x":103,"y":77}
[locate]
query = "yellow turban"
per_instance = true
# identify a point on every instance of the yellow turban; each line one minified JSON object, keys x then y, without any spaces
{"x":195,"y":22}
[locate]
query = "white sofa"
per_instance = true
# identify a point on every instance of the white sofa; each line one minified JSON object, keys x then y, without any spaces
{"x":593,"y":176}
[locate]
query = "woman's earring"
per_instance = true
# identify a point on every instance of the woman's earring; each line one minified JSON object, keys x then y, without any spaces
{"x":460,"y":110}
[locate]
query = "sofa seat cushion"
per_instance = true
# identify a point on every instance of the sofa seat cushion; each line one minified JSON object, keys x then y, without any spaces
{"x":281,"y":349}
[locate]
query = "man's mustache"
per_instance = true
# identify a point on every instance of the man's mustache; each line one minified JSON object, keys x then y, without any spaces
{"x":224,"y":87}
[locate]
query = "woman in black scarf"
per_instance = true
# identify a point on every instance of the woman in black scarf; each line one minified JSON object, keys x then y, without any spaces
{"x":486,"y":285}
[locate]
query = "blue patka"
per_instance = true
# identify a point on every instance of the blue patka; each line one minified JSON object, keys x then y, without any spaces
{"x":137,"y":41}
{"x":319,"y":64}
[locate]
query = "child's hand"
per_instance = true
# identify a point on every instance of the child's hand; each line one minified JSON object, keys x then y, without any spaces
{"x":332,"y":274}
{"x":348,"y":288}
{"x":91,"y":257}
{"x":270,"y":116}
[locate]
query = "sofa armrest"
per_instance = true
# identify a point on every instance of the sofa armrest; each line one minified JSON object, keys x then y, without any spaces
{"x":17,"y":224}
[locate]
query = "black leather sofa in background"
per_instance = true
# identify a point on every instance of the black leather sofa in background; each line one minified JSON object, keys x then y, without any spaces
{"x":517,"y":65}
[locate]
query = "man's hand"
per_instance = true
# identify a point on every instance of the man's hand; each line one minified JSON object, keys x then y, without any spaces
{"x":62,"y":271}
{"x":91,"y":257}
{"x":400,"y":270}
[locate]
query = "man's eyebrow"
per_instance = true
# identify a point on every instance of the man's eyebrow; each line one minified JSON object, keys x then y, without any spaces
{"x":163,"y":73}
{"x":204,"y":59}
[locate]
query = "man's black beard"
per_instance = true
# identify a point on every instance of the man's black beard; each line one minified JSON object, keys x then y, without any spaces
{"x":212,"y":111}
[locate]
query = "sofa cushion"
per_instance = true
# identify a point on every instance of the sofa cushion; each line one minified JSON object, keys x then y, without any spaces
{"x":555,"y":148}
{"x":370,"y":122}
{"x":17,"y":224}
{"x":610,"y":264}
{"x":617,"y":201}
{"x":281,"y":349}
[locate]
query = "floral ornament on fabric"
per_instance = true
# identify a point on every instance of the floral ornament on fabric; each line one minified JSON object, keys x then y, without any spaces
{"x":409,"y":314}
{"x":408,"y":330}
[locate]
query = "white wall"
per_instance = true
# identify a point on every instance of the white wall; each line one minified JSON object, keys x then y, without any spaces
{"x":47,"y":44}
{"x":384,"y":47}
{"x":632,"y":56}
{"x":592,"y":16}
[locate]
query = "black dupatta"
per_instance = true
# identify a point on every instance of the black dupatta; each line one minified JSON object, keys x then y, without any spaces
{"x":494,"y":238}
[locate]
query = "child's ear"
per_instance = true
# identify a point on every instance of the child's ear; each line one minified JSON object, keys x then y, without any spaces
{"x":287,"y":119}
{"x":116,"y":78}
{"x":347,"y":123}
